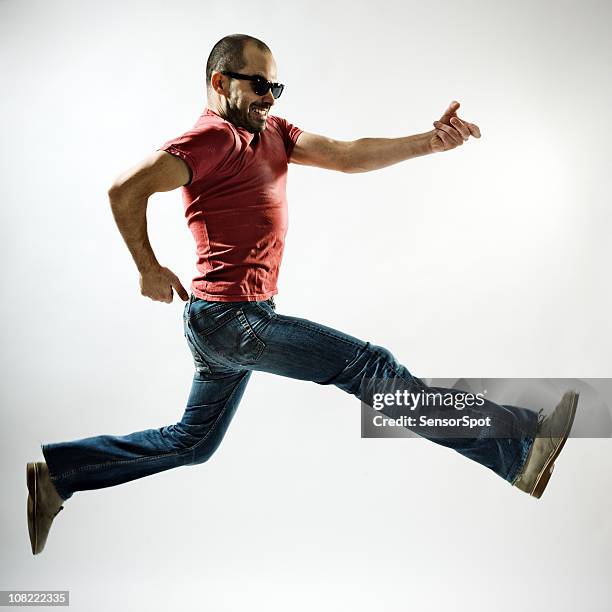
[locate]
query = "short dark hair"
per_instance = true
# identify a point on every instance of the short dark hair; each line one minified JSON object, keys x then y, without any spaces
{"x":228,"y":54}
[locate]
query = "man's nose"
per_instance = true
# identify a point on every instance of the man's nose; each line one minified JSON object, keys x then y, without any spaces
{"x":268,"y":97}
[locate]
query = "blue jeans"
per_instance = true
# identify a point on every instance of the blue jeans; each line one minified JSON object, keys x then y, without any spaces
{"x":230,"y":340}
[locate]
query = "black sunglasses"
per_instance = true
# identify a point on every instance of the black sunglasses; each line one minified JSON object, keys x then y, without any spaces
{"x":260,"y":86}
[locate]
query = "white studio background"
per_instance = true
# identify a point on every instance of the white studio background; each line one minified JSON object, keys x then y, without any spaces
{"x":490,"y":260}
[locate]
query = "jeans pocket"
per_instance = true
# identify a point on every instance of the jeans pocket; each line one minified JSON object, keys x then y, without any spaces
{"x":230,"y":335}
{"x":203,"y":308}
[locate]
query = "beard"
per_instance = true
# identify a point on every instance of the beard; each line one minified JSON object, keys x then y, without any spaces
{"x":244,"y":119}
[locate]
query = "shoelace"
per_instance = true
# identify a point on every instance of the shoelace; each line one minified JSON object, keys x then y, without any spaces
{"x":542,"y":418}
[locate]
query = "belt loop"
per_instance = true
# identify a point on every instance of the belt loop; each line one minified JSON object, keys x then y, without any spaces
{"x":191,"y":298}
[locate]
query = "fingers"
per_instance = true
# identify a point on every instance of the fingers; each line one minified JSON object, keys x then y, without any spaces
{"x":448,"y":134}
{"x":158,"y":284}
{"x":447,"y":143}
{"x":450,"y":111}
{"x":474,"y":130}
{"x":182,"y":293}
{"x":176,"y":284}
{"x":461,"y":127}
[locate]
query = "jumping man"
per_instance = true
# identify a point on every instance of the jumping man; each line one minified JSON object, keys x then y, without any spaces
{"x":232,"y":167}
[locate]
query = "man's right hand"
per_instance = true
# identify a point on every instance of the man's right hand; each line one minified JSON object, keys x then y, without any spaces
{"x":157,"y":283}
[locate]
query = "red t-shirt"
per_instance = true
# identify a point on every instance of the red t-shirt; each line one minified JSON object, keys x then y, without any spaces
{"x":236,"y":204}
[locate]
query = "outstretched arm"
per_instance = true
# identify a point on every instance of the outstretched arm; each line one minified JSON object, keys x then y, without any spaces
{"x":366,"y":154}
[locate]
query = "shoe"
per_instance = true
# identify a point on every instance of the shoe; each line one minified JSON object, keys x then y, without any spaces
{"x":553,"y":430}
{"x":44,"y":504}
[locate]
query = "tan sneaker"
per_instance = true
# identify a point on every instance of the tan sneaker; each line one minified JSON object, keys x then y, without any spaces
{"x":553,"y":431}
{"x":44,"y":504}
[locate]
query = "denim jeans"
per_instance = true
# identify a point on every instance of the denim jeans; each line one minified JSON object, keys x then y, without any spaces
{"x":230,"y":340}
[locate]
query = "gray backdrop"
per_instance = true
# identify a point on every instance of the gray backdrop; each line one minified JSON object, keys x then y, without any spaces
{"x":491,"y":260}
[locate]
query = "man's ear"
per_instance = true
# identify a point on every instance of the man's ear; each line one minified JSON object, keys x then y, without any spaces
{"x":219,"y":83}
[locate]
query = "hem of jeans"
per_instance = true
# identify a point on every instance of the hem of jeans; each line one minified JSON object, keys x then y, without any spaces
{"x":56,"y":480}
{"x":517,"y":467}
{"x":528,"y":434}
{"x":190,"y":449}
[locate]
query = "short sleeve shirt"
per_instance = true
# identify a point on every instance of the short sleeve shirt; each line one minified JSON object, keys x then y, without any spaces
{"x":236,"y":204}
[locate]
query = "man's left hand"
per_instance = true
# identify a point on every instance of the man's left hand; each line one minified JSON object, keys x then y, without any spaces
{"x":450,"y":131}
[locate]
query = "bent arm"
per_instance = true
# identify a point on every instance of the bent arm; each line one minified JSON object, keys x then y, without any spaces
{"x":129,"y":196}
{"x":362,"y":155}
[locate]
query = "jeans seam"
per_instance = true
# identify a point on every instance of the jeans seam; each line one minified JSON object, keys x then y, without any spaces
{"x":109,"y":464}
{"x":244,"y":322}
{"x":318,"y":331}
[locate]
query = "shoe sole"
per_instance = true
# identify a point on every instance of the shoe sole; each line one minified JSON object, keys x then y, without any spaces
{"x":31,"y":479}
{"x":547,"y":470}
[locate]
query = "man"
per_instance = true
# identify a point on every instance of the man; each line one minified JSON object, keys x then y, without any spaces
{"x":232,"y":166}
